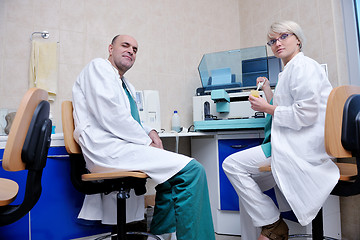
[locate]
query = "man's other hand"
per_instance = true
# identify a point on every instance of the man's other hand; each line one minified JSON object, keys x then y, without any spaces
{"x":156,"y":141}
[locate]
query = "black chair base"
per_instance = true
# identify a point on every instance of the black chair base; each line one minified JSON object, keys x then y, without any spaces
{"x":317,"y":230}
{"x":308,"y":236}
{"x":120,"y":231}
{"x":147,"y":235}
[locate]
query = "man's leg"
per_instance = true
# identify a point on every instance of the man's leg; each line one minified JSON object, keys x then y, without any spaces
{"x":190,"y":196}
{"x":164,"y":213}
{"x":192,"y":204}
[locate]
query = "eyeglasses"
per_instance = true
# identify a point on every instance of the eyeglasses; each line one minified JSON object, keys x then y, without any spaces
{"x":281,"y":38}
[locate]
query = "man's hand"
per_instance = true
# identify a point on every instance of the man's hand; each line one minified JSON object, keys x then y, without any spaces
{"x":156,"y":141}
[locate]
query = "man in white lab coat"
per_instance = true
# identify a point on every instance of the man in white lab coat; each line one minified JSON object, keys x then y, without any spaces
{"x":108,"y":129}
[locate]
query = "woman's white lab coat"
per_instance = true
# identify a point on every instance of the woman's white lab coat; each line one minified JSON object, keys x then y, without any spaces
{"x":301,"y":168}
{"x":109,"y":136}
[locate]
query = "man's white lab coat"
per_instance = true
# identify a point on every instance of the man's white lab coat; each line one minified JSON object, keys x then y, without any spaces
{"x":109,"y":136}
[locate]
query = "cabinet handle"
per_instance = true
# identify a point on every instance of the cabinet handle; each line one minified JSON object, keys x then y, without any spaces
{"x":239,"y":146}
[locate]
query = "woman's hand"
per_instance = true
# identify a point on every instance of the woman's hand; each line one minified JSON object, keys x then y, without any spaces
{"x":259,"y":104}
{"x":265,"y":81}
{"x":265,"y":87}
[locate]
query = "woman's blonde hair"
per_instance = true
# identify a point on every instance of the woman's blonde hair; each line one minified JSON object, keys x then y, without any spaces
{"x":287,"y":27}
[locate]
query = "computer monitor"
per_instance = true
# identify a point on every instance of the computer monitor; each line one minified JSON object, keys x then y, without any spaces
{"x":268,"y":67}
{"x":275,"y":67}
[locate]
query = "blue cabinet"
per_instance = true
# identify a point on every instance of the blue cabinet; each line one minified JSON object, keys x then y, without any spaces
{"x":55,"y":214}
{"x":229,"y":199}
{"x":211,"y":151}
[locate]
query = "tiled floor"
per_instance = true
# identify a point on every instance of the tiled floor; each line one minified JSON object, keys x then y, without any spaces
{"x":218,"y":237}
{"x":227,"y":237}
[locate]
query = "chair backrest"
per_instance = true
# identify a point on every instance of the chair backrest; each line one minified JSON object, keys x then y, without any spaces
{"x":12,"y":160}
{"x":110,"y":182}
{"x":334,"y":146}
{"x":77,"y":162}
{"x":334,"y":119}
{"x":68,"y":128}
{"x":27,"y":148}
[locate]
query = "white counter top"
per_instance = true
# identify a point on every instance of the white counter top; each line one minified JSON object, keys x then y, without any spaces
{"x":183,"y":134}
{"x":57,"y":140}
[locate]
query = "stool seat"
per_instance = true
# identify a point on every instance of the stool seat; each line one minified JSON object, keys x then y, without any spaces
{"x":348,"y":171}
{"x":8,"y":191}
{"x":112,"y":175}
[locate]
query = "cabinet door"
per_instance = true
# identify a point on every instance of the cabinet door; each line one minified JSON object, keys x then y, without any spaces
{"x":60,"y":203}
{"x":57,"y":208}
{"x":19,"y":229}
{"x":228,"y":197}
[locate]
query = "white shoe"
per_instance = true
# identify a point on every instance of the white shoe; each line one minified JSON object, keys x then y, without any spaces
{"x":167,"y":236}
{"x":160,"y":236}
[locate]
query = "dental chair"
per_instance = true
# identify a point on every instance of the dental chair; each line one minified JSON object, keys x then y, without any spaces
{"x":342,"y":140}
{"x":26,"y":149}
{"x":92,"y":183}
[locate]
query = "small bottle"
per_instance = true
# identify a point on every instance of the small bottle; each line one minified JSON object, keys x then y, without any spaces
{"x":175,"y":122}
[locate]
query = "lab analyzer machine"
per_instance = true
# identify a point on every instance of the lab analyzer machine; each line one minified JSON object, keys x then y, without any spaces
{"x":227,"y":78}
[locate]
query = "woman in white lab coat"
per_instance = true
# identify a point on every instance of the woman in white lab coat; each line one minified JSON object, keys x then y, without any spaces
{"x":112,"y":138}
{"x":300,"y":167}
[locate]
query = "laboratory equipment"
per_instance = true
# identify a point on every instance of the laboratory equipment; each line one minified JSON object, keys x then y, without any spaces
{"x":227,"y":78}
{"x":148,"y":103}
{"x":239,"y":115}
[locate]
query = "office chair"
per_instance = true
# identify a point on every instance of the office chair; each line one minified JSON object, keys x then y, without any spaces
{"x":342,"y":140}
{"x":92,"y":183}
{"x":26,"y":149}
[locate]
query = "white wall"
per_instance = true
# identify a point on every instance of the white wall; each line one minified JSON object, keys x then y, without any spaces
{"x":172,"y":35}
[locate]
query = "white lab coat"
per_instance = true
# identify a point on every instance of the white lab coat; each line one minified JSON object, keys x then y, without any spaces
{"x":302,"y":170}
{"x":109,"y":136}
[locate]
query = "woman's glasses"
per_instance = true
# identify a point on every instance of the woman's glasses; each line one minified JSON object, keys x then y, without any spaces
{"x":281,"y":38}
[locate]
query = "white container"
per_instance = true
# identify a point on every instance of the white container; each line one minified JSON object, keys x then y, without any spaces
{"x":175,"y":122}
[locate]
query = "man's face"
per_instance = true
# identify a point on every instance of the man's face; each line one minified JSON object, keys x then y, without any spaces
{"x":122,"y":53}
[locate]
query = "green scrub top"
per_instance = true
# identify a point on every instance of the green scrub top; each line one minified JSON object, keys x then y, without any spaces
{"x":133,"y":106}
{"x":266,"y":145}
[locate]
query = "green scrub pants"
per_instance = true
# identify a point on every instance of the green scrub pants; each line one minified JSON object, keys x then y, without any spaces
{"x":182,"y":205}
